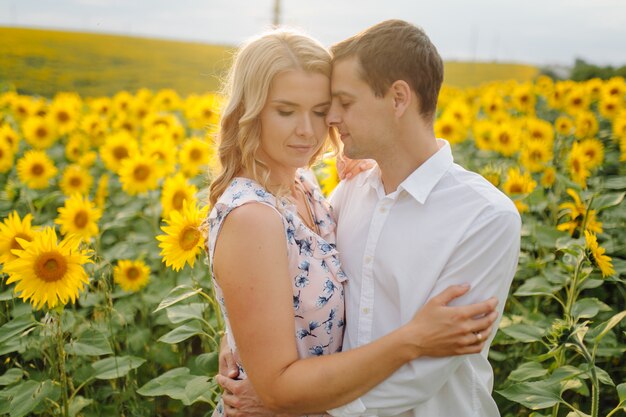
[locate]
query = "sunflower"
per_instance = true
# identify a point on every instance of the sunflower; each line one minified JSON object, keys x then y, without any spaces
{"x":183,"y":239}
{"x":76,"y":146}
{"x":6,"y":157}
{"x":491,"y":174}
{"x":594,"y":149}
{"x":482,"y":130}
{"x":586,"y":125}
{"x":165,"y":153}
{"x":102,"y":191}
{"x":35,"y":169}
{"x":79,"y":216}
{"x":23,"y":107}
{"x":87,"y":159}
{"x":517,"y":183}
{"x":176,"y":191}
{"x":460,"y":111}
{"x":203,"y":112}
{"x":492,"y":104}
{"x":117,"y":148}
{"x":576,"y":101}
{"x":506,"y":138}
{"x":139,"y":174}
{"x":131,"y":275}
{"x":40,"y":132}
{"x":11,"y":229}
{"x":593,"y":88}
{"x":615,"y":87}
{"x":95,"y":127}
{"x":539,"y":130}
{"x":64,"y":112}
{"x":124,"y":122}
{"x":610,"y":107}
{"x":578,"y":165}
{"x":564,"y":125}
{"x":75,"y":179}
{"x":122,"y":101}
{"x":450,"y":128}
{"x":48,"y":272}
{"x":535,"y":155}
{"x":10,"y":137}
{"x":194,"y":156}
{"x":619,"y":126}
{"x":101,"y":106}
{"x":329,"y":178}
{"x":548,"y":177}
{"x":577,"y":215}
{"x":524,"y":98}
{"x":166,"y":99}
{"x":598,"y":257}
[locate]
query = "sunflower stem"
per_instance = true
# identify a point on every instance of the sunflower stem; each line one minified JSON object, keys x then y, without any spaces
{"x":61,"y":355}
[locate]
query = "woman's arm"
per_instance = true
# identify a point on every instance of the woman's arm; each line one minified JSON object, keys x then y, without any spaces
{"x":251,"y":266}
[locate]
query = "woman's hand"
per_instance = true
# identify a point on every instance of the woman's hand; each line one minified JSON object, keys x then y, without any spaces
{"x":441,"y":330}
{"x":348,"y":168}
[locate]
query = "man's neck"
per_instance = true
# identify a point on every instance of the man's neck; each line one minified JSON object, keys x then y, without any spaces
{"x":404,"y":159}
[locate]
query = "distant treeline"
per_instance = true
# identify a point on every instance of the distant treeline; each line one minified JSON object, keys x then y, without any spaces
{"x":582,"y":71}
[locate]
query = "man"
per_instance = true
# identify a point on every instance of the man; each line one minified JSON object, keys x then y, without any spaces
{"x":415,"y":224}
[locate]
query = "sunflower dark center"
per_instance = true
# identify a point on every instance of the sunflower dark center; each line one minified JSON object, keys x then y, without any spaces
{"x":120,"y":152}
{"x":63,"y":116}
{"x":50,"y":266}
{"x":76,"y":181}
{"x":132,"y":273}
{"x":195,"y":154}
{"x":81,"y":219}
{"x":189,"y":238}
{"x":141,"y":172}
{"x":37,"y":170}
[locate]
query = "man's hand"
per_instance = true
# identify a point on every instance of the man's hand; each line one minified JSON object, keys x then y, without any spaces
{"x":240,"y":399}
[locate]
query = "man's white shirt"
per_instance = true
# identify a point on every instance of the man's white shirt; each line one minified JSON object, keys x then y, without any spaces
{"x":443,"y":225}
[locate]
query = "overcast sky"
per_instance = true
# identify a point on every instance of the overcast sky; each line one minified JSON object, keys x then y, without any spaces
{"x":532,"y":31}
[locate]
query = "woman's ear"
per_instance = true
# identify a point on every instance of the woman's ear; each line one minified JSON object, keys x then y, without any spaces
{"x":401,"y":96}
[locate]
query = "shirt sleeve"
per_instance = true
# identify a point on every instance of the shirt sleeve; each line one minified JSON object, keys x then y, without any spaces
{"x":486,"y":257}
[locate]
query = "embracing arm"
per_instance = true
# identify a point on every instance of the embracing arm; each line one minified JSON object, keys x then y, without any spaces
{"x":487,"y":257}
{"x":251,"y":266}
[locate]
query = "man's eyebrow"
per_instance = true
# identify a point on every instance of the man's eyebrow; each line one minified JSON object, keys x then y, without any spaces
{"x":341,"y":93}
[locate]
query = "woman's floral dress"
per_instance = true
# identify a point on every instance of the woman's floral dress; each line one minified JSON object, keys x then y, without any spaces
{"x":315,"y":272}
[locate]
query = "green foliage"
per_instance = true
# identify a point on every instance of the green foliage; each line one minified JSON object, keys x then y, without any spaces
{"x":583,"y":71}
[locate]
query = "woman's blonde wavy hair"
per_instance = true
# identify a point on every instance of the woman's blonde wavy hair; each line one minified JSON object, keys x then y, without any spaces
{"x":255,"y":65}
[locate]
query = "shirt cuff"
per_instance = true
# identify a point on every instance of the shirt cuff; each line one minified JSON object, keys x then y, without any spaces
{"x":354,"y":409}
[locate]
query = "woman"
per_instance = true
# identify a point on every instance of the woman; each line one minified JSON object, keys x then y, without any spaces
{"x":272,"y":245}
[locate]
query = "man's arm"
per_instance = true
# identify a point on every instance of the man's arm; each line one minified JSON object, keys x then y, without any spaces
{"x":486,"y":258}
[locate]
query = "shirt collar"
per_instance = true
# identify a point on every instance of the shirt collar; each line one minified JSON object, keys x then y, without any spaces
{"x":422,"y":181}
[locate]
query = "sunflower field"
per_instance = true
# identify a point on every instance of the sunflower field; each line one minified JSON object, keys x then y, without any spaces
{"x":106,"y":304}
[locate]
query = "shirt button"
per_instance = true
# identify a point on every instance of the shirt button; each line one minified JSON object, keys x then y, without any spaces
{"x":383,"y":209}
{"x":368,"y":259}
{"x":366,"y":310}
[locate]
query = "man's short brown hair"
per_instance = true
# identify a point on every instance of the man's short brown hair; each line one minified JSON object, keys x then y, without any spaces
{"x":396,"y":50}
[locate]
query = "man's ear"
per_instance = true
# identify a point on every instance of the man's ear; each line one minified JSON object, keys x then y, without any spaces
{"x":401,"y":95}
